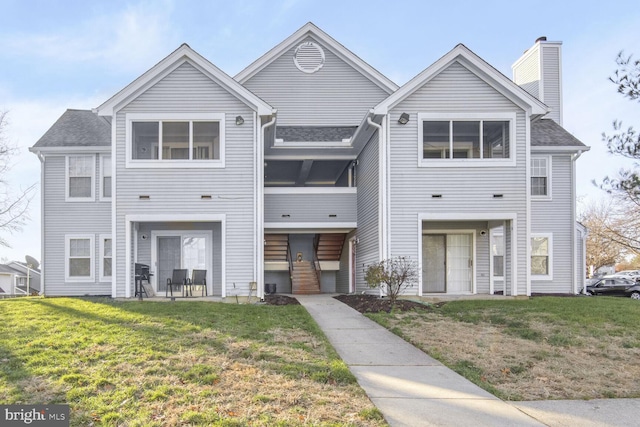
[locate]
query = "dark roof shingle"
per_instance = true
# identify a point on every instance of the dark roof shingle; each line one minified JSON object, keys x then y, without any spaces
{"x":78,"y":128}
{"x":314,"y":133}
{"x":547,"y":133}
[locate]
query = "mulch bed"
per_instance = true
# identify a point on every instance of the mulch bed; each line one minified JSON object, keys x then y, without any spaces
{"x":373,"y":304}
{"x":275,"y":299}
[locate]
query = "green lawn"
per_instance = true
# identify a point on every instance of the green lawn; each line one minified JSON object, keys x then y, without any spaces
{"x":188,"y":363}
{"x":540,"y":348}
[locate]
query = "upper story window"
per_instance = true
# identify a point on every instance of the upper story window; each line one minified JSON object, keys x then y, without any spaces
{"x":105,"y":181}
{"x":79,"y":180}
{"x":172,"y":140}
{"x":541,"y":177}
{"x":446,"y":140}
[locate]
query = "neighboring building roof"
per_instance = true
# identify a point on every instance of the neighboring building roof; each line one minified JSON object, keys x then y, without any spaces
{"x":314,"y":133}
{"x":547,"y":133}
{"x":475,"y":64}
{"x":183,"y":54}
{"x":310,"y":30}
{"x":78,"y":128}
{"x":6,"y":269}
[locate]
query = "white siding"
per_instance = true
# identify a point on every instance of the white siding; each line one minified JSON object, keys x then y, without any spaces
{"x":554,"y":216}
{"x":368,"y":248}
{"x":336,"y":95}
{"x":527,"y":73}
{"x":552,"y":95}
{"x":179,"y":190}
{"x":310,"y":208}
{"x":62,"y":218}
{"x":464,"y":190}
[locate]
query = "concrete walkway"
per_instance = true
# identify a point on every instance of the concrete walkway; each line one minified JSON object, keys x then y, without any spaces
{"x":407,"y":386}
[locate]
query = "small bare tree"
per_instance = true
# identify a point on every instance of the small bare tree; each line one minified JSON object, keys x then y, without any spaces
{"x":13,"y":205}
{"x":393,"y":275}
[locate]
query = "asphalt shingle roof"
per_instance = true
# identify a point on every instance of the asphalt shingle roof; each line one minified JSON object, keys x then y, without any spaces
{"x":78,"y":128}
{"x":547,"y":133}
{"x":314,"y":133}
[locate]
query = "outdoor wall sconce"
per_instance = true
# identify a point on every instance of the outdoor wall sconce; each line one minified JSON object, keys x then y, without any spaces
{"x":239,"y":120}
{"x":404,"y":119}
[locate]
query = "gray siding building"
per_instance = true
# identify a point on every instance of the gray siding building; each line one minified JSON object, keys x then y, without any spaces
{"x":308,"y":166}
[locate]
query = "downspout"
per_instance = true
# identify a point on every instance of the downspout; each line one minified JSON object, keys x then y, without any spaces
{"x":381,"y":201}
{"x":574,"y":157}
{"x":42,"y":264}
{"x":260,"y":207}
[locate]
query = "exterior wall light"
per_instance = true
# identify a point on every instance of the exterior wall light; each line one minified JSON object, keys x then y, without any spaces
{"x":239,"y":120}
{"x":404,"y":119}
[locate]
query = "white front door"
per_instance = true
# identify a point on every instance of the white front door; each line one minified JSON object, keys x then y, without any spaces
{"x":459,"y":264}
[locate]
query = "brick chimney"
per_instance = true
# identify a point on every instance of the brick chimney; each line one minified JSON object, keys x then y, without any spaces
{"x":539,"y":72}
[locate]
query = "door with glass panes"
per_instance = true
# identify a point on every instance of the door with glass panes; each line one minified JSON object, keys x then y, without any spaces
{"x":447,"y":263}
{"x":175,"y":250}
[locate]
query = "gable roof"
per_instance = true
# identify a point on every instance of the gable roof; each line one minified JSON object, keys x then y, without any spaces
{"x":77,"y":128}
{"x":178,"y":57}
{"x":310,"y":30}
{"x":548,"y":133}
{"x":479,"y":67}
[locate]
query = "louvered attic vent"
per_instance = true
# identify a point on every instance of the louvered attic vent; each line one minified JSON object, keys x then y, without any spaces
{"x":308,"y":57}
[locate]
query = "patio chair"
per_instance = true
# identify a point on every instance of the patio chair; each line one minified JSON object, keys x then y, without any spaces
{"x":177,"y":279}
{"x":198,"y":278}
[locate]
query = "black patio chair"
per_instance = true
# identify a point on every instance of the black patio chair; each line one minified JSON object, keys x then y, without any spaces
{"x":198,"y":278}
{"x":177,"y":279}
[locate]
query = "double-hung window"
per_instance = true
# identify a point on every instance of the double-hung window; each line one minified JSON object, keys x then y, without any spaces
{"x":195,"y":140}
{"x":465,"y":138}
{"x":106,"y":257}
{"x":79,"y":178}
{"x":79,"y":256}
{"x":541,"y":177}
{"x":105,"y":181}
{"x":542,"y":256}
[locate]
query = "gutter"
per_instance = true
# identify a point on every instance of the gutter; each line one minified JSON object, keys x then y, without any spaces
{"x":574,"y":244}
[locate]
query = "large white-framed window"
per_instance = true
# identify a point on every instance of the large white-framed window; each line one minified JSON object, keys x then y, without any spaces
{"x":541,"y":177}
{"x":106,"y":257}
{"x":465,"y":139}
{"x":175,"y":140}
{"x":79,"y":177}
{"x":105,"y":177}
{"x":79,"y":257}
{"x":541,"y":256}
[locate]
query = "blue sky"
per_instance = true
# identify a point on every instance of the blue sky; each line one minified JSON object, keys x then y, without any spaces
{"x":56,"y":55}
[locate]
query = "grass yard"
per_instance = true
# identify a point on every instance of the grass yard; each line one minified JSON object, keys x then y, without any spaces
{"x":541,"y":348}
{"x":184,"y":363}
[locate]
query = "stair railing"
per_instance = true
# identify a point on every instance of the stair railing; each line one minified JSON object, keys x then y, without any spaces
{"x":290,"y":260}
{"x":316,"y":261}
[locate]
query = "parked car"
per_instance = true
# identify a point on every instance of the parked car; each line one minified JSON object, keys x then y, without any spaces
{"x":631,"y":274}
{"x":615,"y":286}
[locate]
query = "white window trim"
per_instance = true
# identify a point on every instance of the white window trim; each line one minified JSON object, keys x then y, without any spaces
{"x":67,"y":198}
{"x":548,"y":196}
{"x":164,"y":164}
{"x":67,"y":253}
{"x":102,"y":176}
{"x":102,"y":238}
{"x":447,"y":163}
{"x":543,"y":277}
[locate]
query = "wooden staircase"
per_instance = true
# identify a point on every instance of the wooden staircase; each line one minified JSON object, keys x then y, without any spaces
{"x":304,"y":279}
{"x":329,"y":246}
{"x":276,"y":247}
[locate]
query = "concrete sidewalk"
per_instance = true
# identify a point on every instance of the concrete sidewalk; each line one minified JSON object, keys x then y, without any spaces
{"x":407,"y":386}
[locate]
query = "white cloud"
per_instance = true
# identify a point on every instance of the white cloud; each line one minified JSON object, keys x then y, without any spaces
{"x":128,"y":40}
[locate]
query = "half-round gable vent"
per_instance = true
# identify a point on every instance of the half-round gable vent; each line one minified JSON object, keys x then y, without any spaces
{"x":308,"y":57}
